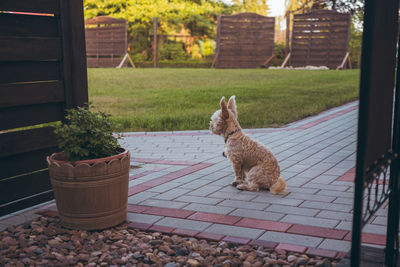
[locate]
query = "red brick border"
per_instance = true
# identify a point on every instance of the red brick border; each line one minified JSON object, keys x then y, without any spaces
{"x":238,"y":240}
{"x":322,"y":253}
{"x":263,"y":243}
{"x":214,"y":218}
{"x":290,"y":247}
{"x":185,"y":232}
{"x":264,"y":224}
{"x":349,"y":176}
{"x":161,"y":229}
{"x":175,"y":213}
{"x":317,"y":231}
{"x":210,"y":236}
{"x":369,"y":238}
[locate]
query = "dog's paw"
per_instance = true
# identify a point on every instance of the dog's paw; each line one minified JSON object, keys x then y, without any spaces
{"x":242,"y":187}
{"x":237,"y":181}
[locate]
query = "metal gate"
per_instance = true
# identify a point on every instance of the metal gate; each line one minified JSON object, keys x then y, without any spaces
{"x":42,"y":72}
{"x":377,"y":171}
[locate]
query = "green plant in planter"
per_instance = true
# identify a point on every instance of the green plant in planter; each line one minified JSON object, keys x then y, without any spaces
{"x":92,"y":194}
{"x":86,"y":135}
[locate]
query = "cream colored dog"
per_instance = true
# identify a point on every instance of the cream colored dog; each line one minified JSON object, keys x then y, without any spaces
{"x":254,"y":165}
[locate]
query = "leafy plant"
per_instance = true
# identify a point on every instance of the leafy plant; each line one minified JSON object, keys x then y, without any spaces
{"x":172,"y":51}
{"x":86,"y":135}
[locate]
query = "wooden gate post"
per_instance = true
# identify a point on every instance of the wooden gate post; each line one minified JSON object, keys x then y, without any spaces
{"x":287,"y":33}
{"x":74,"y":52}
{"x":155,"y":43}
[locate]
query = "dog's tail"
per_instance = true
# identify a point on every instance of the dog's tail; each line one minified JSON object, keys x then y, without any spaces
{"x":279,"y":188}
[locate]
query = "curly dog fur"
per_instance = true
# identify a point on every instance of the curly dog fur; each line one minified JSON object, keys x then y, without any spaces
{"x":254,"y":165}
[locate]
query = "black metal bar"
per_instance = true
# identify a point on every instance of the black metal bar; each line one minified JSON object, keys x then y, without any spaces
{"x":374,"y":184}
{"x":362,"y":130}
{"x":392,"y":231}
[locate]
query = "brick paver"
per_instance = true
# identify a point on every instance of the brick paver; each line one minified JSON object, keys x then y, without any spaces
{"x":182,"y":186}
{"x":238,"y":231}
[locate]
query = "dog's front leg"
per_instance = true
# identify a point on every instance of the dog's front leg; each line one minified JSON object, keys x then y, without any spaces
{"x":239,"y":175}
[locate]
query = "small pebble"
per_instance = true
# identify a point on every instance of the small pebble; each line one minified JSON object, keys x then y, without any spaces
{"x":193,"y":262}
{"x":291,"y":258}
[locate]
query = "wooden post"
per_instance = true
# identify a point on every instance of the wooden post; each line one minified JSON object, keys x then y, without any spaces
{"x":215,"y":61}
{"x":155,"y":42}
{"x":342,"y":65}
{"x":285,"y":61}
{"x":74,"y":53}
{"x":287,"y":33}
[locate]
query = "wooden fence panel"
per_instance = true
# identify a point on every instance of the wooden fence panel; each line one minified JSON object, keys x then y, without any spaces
{"x":35,"y":6}
{"x":244,"y":40}
{"x":28,"y":25}
{"x":29,"y":115}
{"x":19,"y":49}
{"x":16,"y":150}
{"x":27,"y":186}
{"x":106,"y":41}
{"x":29,"y":71}
{"x":320,"y":38}
{"x":34,"y":93}
{"x":43,"y":72}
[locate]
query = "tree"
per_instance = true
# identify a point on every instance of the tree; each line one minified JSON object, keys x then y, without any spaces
{"x":255,"y":6}
{"x":344,"y":6}
{"x":298,"y":6}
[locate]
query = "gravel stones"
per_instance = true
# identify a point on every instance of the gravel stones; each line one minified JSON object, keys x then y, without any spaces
{"x":44,"y":242}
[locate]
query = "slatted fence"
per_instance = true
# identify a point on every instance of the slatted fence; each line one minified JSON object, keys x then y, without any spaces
{"x":244,"y":40}
{"x":42,"y":72}
{"x":320,"y":38}
{"x":106,"y":41}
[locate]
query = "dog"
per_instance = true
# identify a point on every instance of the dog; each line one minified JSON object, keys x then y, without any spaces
{"x":255,"y":167}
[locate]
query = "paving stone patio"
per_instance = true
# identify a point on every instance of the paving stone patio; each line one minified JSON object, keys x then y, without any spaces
{"x":182,"y":185}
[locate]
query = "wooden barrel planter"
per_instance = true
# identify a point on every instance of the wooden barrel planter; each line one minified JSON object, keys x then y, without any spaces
{"x":91,"y":194}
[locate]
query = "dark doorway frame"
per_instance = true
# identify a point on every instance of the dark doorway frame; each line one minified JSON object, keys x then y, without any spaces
{"x":377,"y":170}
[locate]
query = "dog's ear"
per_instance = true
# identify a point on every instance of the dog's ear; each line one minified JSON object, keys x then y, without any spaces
{"x":232,"y":105}
{"x":224,"y":108}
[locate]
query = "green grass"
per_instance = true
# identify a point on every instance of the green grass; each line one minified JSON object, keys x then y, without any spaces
{"x":184,"y":99}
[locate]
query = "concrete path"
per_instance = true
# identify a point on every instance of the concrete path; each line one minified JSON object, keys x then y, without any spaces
{"x":182,"y":185}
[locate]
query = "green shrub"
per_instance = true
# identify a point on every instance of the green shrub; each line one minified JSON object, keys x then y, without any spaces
{"x":139,"y":58}
{"x":86,"y":135}
{"x":207,"y":47}
{"x":279,"y":53}
{"x":172,"y":51}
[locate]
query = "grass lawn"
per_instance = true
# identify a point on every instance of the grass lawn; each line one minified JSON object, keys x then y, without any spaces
{"x":184,"y":99}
